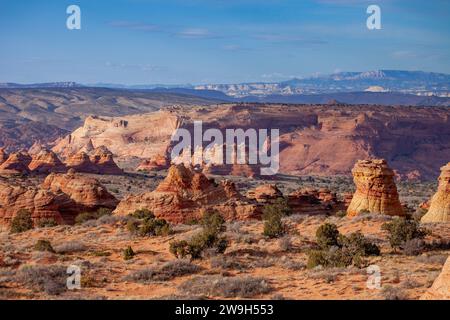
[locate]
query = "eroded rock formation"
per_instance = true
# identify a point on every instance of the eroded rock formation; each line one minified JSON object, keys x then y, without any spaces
{"x":16,"y":163}
{"x":100,"y":161}
{"x":159,"y":162}
{"x":185,"y":195}
{"x":439,"y":210}
{"x":313,"y":202}
{"x":46,"y":162}
{"x":3,"y":155}
{"x":376,"y":191}
{"x":265,"y":193}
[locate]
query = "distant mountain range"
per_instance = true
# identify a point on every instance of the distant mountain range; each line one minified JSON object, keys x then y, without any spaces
{"x":377,"y":87}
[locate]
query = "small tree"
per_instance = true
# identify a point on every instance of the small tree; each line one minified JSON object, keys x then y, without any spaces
{"x":327,"y":235}
{"x":21,"y":222}
{"x":128,"y":253}
{"x":401,"y":230}
{"x":43,"y":245}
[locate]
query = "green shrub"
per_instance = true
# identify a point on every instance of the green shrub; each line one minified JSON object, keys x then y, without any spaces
{"x":47,"y":223}
{"x":401,"y":230}
{"x":327,"y":235}
{"x":21,"y":222}
{"x":279,"y":207}
{"x":213,"y":224}
{"x":341,"y":214}
{"x":128,"y":253}
{"x":142,"y":214}
{"x":274,"y":227}
{"x":43,"y":245}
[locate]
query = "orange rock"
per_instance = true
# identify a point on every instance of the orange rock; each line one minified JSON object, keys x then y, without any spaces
{"x":100,"y":162}
{"x":185,"y":194}
{"x":16,"y":163}
{"x":376,"y":191}
{"x":46,"y":162}
{"x":157,"y":163}
{"x":3,"y":155}
{"x":439,"y":210}
{"x":265,"y":193}
{"x":314,"y":202}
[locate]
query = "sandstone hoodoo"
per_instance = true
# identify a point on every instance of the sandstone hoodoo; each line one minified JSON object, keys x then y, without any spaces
{"x":185,"y":195}
{"x":86,"y":193}
{"x":440,"y":290}
{"x":46,"y":162}
{"x":439,"y":210}
{"x":99,"y":162}
{"x":376,"y":191}
{"x":16,"y":163}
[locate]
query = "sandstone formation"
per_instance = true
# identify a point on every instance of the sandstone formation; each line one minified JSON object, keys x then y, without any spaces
{"x":185,"y":195}
{"x":61,"y":197}
{"x":157,"y":163}
{"x":439,"y":210}
{"x":314,"y":140}
{"x":99,"y":162}
{"x":46,"y":162}
{"x":376,"y":191}
{"x":313,"y":202}
{"x":440,"y":290}
{"x":16,"y":163}
{"x":265,"y":193}
{"x":41,"y":203}
{"x":87,"y":193}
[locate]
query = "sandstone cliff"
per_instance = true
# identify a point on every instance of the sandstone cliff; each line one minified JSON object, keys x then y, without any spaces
{"x":440,"y":290}
{"x":376,"y":191}
{"x":439,"y":210}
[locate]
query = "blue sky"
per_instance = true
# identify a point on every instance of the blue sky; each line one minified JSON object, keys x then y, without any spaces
{"x":217,"y":41}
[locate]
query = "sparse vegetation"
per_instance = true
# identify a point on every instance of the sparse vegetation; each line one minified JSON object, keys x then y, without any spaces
{"x":46,"y":223}
{"x":234,"y":287}
{"x":213,"y":225}
{"x":165,"y":272}
{"x":49,"y":279}
{"x":70,"y":247}
{"x":143,"y":223}
{"x":43,"y":245}
{"x":128,"y":253}
{"x":272,"y":214}
{"x":337,"y":250}
{"x":86,"y":216}
{"x":21,"y":222}
{"x":401,"y":230}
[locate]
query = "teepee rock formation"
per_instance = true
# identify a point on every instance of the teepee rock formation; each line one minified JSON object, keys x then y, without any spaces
{"x":16,"y":163}
{"x":376,"y":191}
{"x":46,"y":162}
{"x":440,"y":203}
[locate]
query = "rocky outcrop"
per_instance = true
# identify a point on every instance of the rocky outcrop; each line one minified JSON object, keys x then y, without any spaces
{"x":16,"y":163}
{"x":87,"y":193}
{"x":376,"y":191}
{"x":41,"y":203}
{"x":439,"y":210}
{"x":157,"y":163}
{"x":314,"y":202}
{"x":61,"y":197}
{"x":265,"y":193}
{"x":99,"y":162}
{"x":46,"y":162}
{"x":185,"y":195}
{"x":440,"y":290}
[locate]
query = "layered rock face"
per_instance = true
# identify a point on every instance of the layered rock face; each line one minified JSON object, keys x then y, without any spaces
{"x":41,"y":203}
{"x":185,"y":195}
{"x":440,"y":290}
{"x":46,"y":162}
{"x":314,"y":140}
{"x":439,"y":210}
{"x":99,"y":162}
{"x":16,"y":163}
{"x":376,"y":191}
